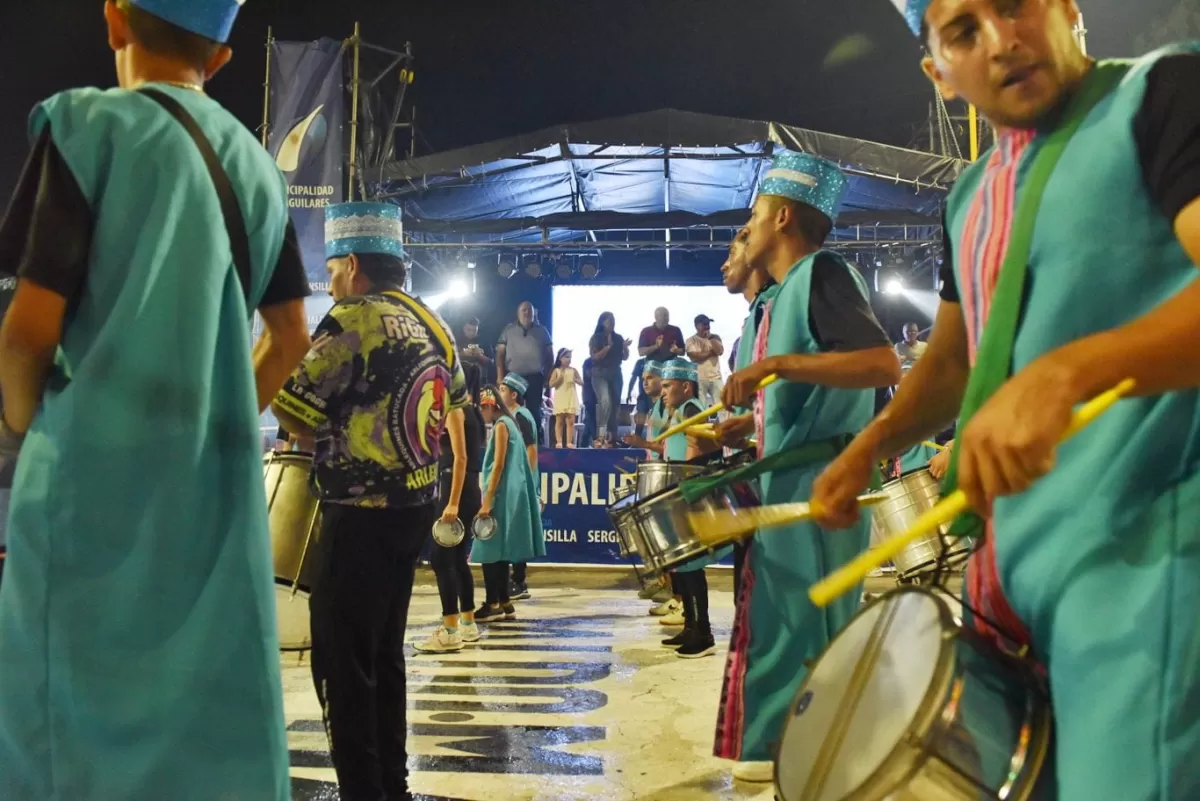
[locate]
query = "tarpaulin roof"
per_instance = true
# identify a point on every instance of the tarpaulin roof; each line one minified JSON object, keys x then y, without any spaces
{"x":658,"y":170}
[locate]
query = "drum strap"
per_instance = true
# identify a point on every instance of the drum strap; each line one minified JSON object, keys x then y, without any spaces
{"x":810,"y":453}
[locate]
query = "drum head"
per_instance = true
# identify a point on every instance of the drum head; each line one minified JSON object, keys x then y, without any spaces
{"x":449,"y":534}
{"x":292,"y":618}
{"x":484,"y":528}
{"x":910,"y":629}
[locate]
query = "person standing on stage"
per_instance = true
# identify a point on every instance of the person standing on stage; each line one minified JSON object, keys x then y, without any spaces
{"x":705,"y":349}
{"x":525,"y":350}
{"x":513,"y":392}
{"x":1092,"y":558}
{"x":911,"y":348}
{"x":819,"y":335}
{"x":608,"y":350}
{"x":378,"y":389}
{"x":138,"y":648}
{"x":662,"y":341}
{"x":469,"y":349}
{"x":461,"y":498}
{"x":510,"y":498}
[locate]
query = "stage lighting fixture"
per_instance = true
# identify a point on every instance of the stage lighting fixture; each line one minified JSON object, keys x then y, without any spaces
{"x":506,"y":269}
{"x":894,"y":286}
{"x":589,"y":270}
{"x":470,"y":265}
{"x":458,"y":288}
{"x":563,"y":269}
{"x":533,"y":268}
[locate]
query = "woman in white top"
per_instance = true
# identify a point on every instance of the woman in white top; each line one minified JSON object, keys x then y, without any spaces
{"x":563,"y":380}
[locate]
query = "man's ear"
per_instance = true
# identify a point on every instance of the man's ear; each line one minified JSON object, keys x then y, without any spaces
{"x":118,"y":26}
{"x":219,"y":59}
{"x":930,"y":68}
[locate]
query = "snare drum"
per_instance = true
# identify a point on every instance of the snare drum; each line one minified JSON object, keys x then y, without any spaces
{"x":295,"y":522}
{"x":663,"y":532}
{"x":909,"y":497}
{"x":619,"y":513}
{"x":908,"y":705}
{"x":654,"y":477}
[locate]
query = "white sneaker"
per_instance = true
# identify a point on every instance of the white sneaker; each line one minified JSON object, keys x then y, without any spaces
{"x":666,"y":607}
{"x":468,"y":631}
{"x":442,"y":641}
{"x":759,"y":772}
{"x":673,"y":619}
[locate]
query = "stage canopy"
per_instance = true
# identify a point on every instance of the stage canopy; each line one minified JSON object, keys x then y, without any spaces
{"x":669,"y":178}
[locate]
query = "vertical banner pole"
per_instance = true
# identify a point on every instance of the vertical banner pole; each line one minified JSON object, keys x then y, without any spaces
{"x":266,"y":121}
{"x":973,"y":121}
{"x":354,"y":116}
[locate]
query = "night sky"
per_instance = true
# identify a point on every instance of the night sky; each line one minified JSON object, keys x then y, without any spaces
{"x":492,"y":69}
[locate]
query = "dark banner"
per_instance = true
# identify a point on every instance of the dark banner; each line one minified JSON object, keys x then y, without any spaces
{"x":577,"y":487}
{"x":307,"y":114}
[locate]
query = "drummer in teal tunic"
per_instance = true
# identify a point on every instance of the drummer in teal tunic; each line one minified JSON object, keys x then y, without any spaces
{"x":657,"y":416}
{"x":1093,"y":558}
{"x":820,"y":336}
{"x":138,"y":648}
{"x":513,"y":390}
{"x":510,"y":498}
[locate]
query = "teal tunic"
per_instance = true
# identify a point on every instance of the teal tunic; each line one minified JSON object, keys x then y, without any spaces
{"x":139,"y":658}
{"x":916,"y":457}
{"x":536,"y":483}
{"x":1100,"y":559}
{"x":783,"y":627}
{"x":745,"y":354}
{"x":658,"y":423}
{"x":676,"y":451}
{"x":518,"y":535}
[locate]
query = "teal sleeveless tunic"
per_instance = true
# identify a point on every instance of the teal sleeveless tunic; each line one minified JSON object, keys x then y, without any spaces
{"x":1100,"y":559}
{"x":658,"y":423}
{"x":535,"y":481}
{"x":519,"y":529}
{"x":676,"y":451}
{"x":780,"y":628}
{"x":139,"y":657}
{"x":916,"y":457}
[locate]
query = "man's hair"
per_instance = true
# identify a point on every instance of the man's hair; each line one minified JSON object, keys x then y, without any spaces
{"x":809,"y":222}
{"x":382,"y":269}
{"x":167,"y":39}
{"x":471,"y":321}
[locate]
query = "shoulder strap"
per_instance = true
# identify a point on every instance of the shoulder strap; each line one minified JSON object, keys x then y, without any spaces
{"x":231,"y":210}
{"x":993,"y":362}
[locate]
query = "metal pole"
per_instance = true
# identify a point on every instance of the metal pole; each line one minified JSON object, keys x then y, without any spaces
{"x":266,"y":123}
{"x":1081,"y":34}
{"x":354,"y":115}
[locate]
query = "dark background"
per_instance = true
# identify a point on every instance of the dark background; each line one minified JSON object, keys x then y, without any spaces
{"x":491,"y":69}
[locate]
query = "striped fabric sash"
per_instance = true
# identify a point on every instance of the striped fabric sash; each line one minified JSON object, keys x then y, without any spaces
{"x":760,"y":353}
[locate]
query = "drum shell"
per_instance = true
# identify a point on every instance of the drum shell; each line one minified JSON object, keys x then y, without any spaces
{"x":664,"y":533}
{"x":909,"y":497}
{"x":293,"y":512}
{"x":448,"y":535}
{"x":620,"y":512}
{"x":655,"y":477}
{"x":984,"y":729}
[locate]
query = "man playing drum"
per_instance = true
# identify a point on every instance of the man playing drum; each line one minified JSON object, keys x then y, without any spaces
{"x":1096,"y":566}
{"x":820,"y":336}
{"x":378,"y":388}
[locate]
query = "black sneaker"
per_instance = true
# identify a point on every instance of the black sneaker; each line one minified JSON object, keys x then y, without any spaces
{"x":486,"y":613}
{"x":698,"y":644}
{"x":518,"y":592}
{"x":679,"y":639}
{"x":510,"y":612}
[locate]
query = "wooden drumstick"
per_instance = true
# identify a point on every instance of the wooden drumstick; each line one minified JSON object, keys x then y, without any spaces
{"x":707,"y":413}
{"x":846,"y":578}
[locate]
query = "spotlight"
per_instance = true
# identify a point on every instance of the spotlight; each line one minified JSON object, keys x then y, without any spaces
{"x":589,"y":270}
{"x":894,"y":286}
{"x":470,"y":265}
{"x":506,"y":269}
{"x":458,"y":288}
{"x":533,"y":268}
{"x":563,"y":269}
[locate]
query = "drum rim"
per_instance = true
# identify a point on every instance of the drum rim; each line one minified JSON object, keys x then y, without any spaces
{"x":874,"y":787}
{"x":271,"y":457}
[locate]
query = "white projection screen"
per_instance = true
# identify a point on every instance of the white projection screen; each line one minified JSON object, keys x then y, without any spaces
{"x":577,"y":308}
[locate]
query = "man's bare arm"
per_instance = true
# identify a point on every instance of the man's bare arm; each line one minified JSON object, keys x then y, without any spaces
{"x":284,"y":343}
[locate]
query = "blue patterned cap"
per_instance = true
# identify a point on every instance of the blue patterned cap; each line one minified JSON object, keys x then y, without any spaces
{"x":212,"y":19}
{"x":363,"y":228}
{"x":680,"y":370}
{"x":652,"y":368}
{"x":515,"y":382}
{"x":913,"y":11}
{"x":807,"y":179}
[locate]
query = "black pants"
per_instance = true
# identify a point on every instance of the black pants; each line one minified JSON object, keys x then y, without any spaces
{"x":456,"y":585}
{"x":519,"y":572}
{"x":359,"y":607}
{"x":495,"y":583}
{"x":693,"y":587}
{"x":533,"y":401}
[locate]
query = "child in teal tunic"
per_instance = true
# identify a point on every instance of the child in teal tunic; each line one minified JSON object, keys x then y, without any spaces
{"x":657,"y":415}
{"x":513,"y":390}
{"x":511,"y":499}
{"x":1094,"y":566}
{"x":817,"y":331}
{"x":138,"y":648}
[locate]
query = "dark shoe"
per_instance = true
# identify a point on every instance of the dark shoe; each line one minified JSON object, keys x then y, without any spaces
{"x":699,"y":644}
{"x":488,"y":613}
{"x":518,"y":592}
{"x":678,"y":640}
{"x":510,"y":612}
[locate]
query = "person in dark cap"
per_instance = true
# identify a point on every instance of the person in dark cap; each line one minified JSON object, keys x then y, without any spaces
{"x":705,"y":349}
{"x":138,"y":646}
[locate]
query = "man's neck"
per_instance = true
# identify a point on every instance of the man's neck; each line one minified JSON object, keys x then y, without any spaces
{"x":754,"y":285}
{"x":1076,"y":72}
{"x":142,"y":67}
{"x":790,"y":251}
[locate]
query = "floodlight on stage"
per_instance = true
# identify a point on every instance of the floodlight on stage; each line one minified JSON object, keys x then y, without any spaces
{"x":470,"y":265}
{"x":458,"y":288}
{"x":533,"y":268}
{"x":506,"y":269}
{"x":588,"y":270}
{"x":563,"y":269}
{"x":894,"y":286}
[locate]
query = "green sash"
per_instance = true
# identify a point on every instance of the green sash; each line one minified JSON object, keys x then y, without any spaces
{"x":993,"y":362}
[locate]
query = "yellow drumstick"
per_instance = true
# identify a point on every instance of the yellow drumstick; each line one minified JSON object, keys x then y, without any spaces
{"x":843,"y":580}
{"x":707,"y":413}
{"x":931,"y":444}
{"x":719,"y":526}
